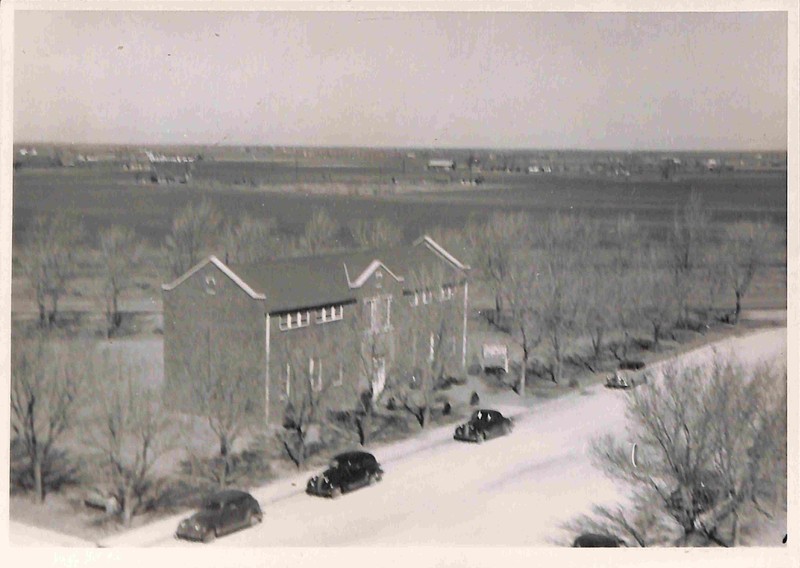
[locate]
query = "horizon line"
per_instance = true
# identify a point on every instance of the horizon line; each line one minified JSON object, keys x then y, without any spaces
{"x":400,"y":147}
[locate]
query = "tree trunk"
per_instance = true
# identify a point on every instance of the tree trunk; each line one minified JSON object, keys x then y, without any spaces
{"x":656,"y":335}
{"x":738,"y":307}
{"x":425,"y":415}
{"x":225,"y":465}
{"x":557,"y":369}
{"x":735,"y":531}
{"x":362,"y":425}
{"x":521,"y":386}
{"x":597,"y":343}
{"x":40,"y":300}
{"x":38,"y":483}
{"x":127,"y":506}
{"x":54,"y":312}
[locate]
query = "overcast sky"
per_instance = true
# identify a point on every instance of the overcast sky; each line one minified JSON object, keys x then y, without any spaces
{"x":527,"y":80}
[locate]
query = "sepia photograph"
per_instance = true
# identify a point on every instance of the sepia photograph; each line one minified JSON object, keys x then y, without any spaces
{"x":423,"y":277}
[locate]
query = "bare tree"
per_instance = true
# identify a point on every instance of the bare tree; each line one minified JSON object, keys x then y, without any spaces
{"x":492,"y":244}
{"x":223,"y":378}
{"x":744,"y":254}
{"x":626,"y":291}
{"x":193,"y":230}
{"x":376,"y":233}
{"x":320,"y":233}
{"x":127,"y":430}
{"x":49,"y":261}
{"x":250,"y":240}
{"x":564,"y":242}
{"x":711,"y":445}
{"x":643,"y":524}
{"x":525,"y":309}
{"x":690,"y":233}
{"x":310,"y":379}
{"x":119,"y":250}
{"x":597,"y":289}
{"x":662,"y":300}
{"x":430,"y":331}
{"x":45,"y":390}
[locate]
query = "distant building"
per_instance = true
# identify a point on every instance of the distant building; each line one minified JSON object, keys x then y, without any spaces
{"x":441,"y":165}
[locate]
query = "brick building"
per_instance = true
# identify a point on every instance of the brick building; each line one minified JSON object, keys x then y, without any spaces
{"x":265,"y":323}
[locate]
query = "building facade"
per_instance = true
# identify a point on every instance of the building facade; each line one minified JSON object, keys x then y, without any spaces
{"x":345,"y":323}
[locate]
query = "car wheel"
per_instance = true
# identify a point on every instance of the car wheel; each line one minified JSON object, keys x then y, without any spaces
{"x":336,"y":492}
{"x":210,"y":536}
{"x":481,"y":438}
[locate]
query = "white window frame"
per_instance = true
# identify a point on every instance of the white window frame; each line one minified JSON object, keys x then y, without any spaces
{"x":427,"y":296}
{"x":414,"y":299}
{"x":294,"y":320}
{"x":331,"y":313}
{"x":316,"y":382}
{"x":373,"y":320}
{"x":288,"y":380}
{"x":387,"y":325}
{"x":447,"y":293}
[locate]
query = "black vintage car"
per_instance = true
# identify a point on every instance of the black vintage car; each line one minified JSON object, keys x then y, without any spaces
{"x":222,"y":513}
{"x":345,"y":473}
{"x":483,"y":425}
{"x":592,"y":540}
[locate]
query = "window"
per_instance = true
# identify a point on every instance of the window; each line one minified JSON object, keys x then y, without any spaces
{"x":427,"y":296}
{"x":433,"y":347}
{"x":315,"y":378}
{"x":293,"y":320}
{"x":379,"y":311}
{"x":387,"y":324}
{"x":330,"y":313}
{"x":447,"y":293}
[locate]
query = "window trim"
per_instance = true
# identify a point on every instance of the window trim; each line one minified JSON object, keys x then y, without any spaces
{"x":294,"y":320}
{"x":327,"y":314}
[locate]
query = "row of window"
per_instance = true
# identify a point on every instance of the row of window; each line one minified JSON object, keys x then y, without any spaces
{"x":302,"y":318}
{"x":426,"y":296}
{"x":315,"y":375}
{"x":379,"y":310}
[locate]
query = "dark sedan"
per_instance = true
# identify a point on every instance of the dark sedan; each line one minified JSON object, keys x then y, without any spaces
{"x":222,"y":513}
{"x":483,"y":425}
{"x":347,"y":472}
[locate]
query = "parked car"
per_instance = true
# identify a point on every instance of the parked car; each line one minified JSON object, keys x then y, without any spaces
{"x":346,"y":472}
{"x":592,"y":540}
{"x":222,"y":513}
{"x":626,"y":379}
{"x":484,"y":424}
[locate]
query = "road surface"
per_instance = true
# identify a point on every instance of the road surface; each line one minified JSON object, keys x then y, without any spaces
{"x":512,"y":491}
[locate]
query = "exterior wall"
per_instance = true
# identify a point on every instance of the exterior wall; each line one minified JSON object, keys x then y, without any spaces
{"x":203,"y":331}
{"x":220,"y":332}
{"x":336,"y":343}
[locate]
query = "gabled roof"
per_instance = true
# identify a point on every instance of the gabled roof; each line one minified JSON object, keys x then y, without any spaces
{"x":312,"y":281}
{"x":219,"y":264}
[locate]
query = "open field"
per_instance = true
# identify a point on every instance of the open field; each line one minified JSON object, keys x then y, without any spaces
{"x":101,"y":199}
